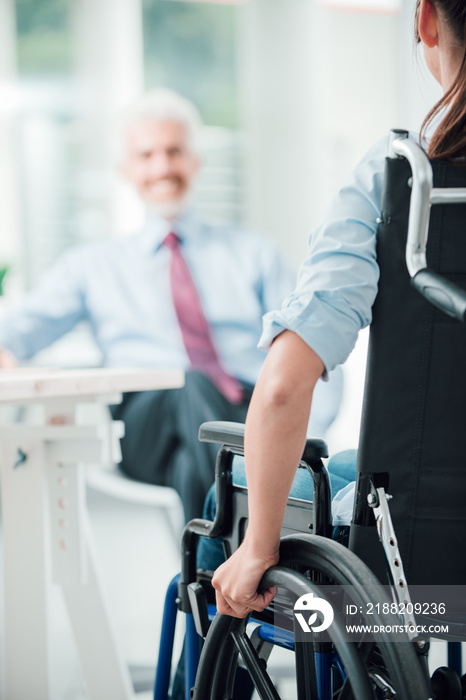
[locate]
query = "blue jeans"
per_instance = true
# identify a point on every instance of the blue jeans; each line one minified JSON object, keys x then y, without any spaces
{"x":342,"y":471}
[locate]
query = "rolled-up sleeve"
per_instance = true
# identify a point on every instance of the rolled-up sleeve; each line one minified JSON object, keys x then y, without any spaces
{"x":337,"y":283}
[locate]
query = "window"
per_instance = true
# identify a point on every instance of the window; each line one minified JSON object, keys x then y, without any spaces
{"x":46,"y":147}
{"x":63,"y":169}
{"x":191,"y":48}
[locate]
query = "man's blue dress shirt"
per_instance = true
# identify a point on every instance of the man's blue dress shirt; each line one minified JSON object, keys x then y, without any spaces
{"x":121,"y":287}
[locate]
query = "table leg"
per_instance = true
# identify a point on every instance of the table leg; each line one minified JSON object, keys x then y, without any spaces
{"x":27,"y":573}
{"x":47,"y":542}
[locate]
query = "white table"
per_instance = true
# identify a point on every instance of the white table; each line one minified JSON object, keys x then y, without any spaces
{"x":45,"y":528}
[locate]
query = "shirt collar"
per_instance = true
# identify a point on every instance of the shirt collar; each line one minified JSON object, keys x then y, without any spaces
{"x":187,"y":227}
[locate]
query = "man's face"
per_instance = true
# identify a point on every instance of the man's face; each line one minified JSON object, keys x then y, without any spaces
{"x":159,"y":163}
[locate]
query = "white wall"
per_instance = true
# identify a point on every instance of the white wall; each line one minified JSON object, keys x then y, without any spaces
{"x":319,"y":86}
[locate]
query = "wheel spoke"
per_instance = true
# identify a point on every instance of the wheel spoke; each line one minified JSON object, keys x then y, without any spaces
{"x":255,"y":666}
{"x":306,"y":678}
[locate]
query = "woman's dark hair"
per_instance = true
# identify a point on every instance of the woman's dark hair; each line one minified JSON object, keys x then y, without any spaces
{"x":449,"y":140}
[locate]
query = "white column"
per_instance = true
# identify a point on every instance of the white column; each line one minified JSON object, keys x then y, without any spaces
{"x":110,"y":54}
{"x":280,"y":96}
{"x":10,"y":237}
{"x":109,"y":46}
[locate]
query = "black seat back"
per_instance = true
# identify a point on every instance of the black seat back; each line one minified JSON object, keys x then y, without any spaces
{"x":413,"y":432}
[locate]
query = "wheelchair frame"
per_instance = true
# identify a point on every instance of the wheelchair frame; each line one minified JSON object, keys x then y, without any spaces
{"x":400,"y":669}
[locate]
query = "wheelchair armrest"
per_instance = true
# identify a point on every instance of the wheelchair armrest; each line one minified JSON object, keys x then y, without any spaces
{"x":223,"y":432}
{"x":231,"y":438}
{"x":231,"y":434}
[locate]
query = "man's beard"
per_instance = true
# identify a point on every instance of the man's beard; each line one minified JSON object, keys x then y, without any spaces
{"x":171,"y":209}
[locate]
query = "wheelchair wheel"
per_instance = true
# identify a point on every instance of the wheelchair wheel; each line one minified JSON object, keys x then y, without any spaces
{"x":368,"y":670}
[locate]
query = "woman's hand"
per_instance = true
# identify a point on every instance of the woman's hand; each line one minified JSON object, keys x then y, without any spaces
{"x":236,"y":582}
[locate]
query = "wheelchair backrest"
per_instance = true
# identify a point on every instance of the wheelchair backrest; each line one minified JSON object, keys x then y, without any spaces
{"x":413,"y":431}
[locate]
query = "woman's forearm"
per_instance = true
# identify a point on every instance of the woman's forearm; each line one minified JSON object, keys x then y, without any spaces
{"x":275,"y":434}
{"x":274,"y":439}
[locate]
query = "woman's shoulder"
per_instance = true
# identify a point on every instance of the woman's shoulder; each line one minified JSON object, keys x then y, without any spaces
{"x":378,"y":152}
{"x":365,"y":182}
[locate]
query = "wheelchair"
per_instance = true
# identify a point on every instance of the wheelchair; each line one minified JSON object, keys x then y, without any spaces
{"x":402,"y":578}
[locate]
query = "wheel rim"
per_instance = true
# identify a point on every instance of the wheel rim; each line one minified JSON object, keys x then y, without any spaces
{"x":220,"y":654}
{"x":228,"y":638}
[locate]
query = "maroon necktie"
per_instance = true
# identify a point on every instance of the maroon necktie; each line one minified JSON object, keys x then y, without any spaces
{"x":194,"y":326}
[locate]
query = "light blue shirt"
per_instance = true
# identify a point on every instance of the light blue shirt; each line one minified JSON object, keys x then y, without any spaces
{"x":121,"y":287}
{"x":337,"y":283}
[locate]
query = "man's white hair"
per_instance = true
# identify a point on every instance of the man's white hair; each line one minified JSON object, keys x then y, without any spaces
{"x":165,"y":105}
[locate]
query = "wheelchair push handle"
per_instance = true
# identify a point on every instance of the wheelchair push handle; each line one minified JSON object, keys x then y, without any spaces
{"x":439,"y":291}
{"x":442,"y":293}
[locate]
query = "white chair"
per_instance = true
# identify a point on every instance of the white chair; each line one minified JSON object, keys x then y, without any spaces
{"x":111,"y":481}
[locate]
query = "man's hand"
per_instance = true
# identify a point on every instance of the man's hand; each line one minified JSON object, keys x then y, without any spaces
{"x":236,"y":582}
{"x":7,"y":359}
